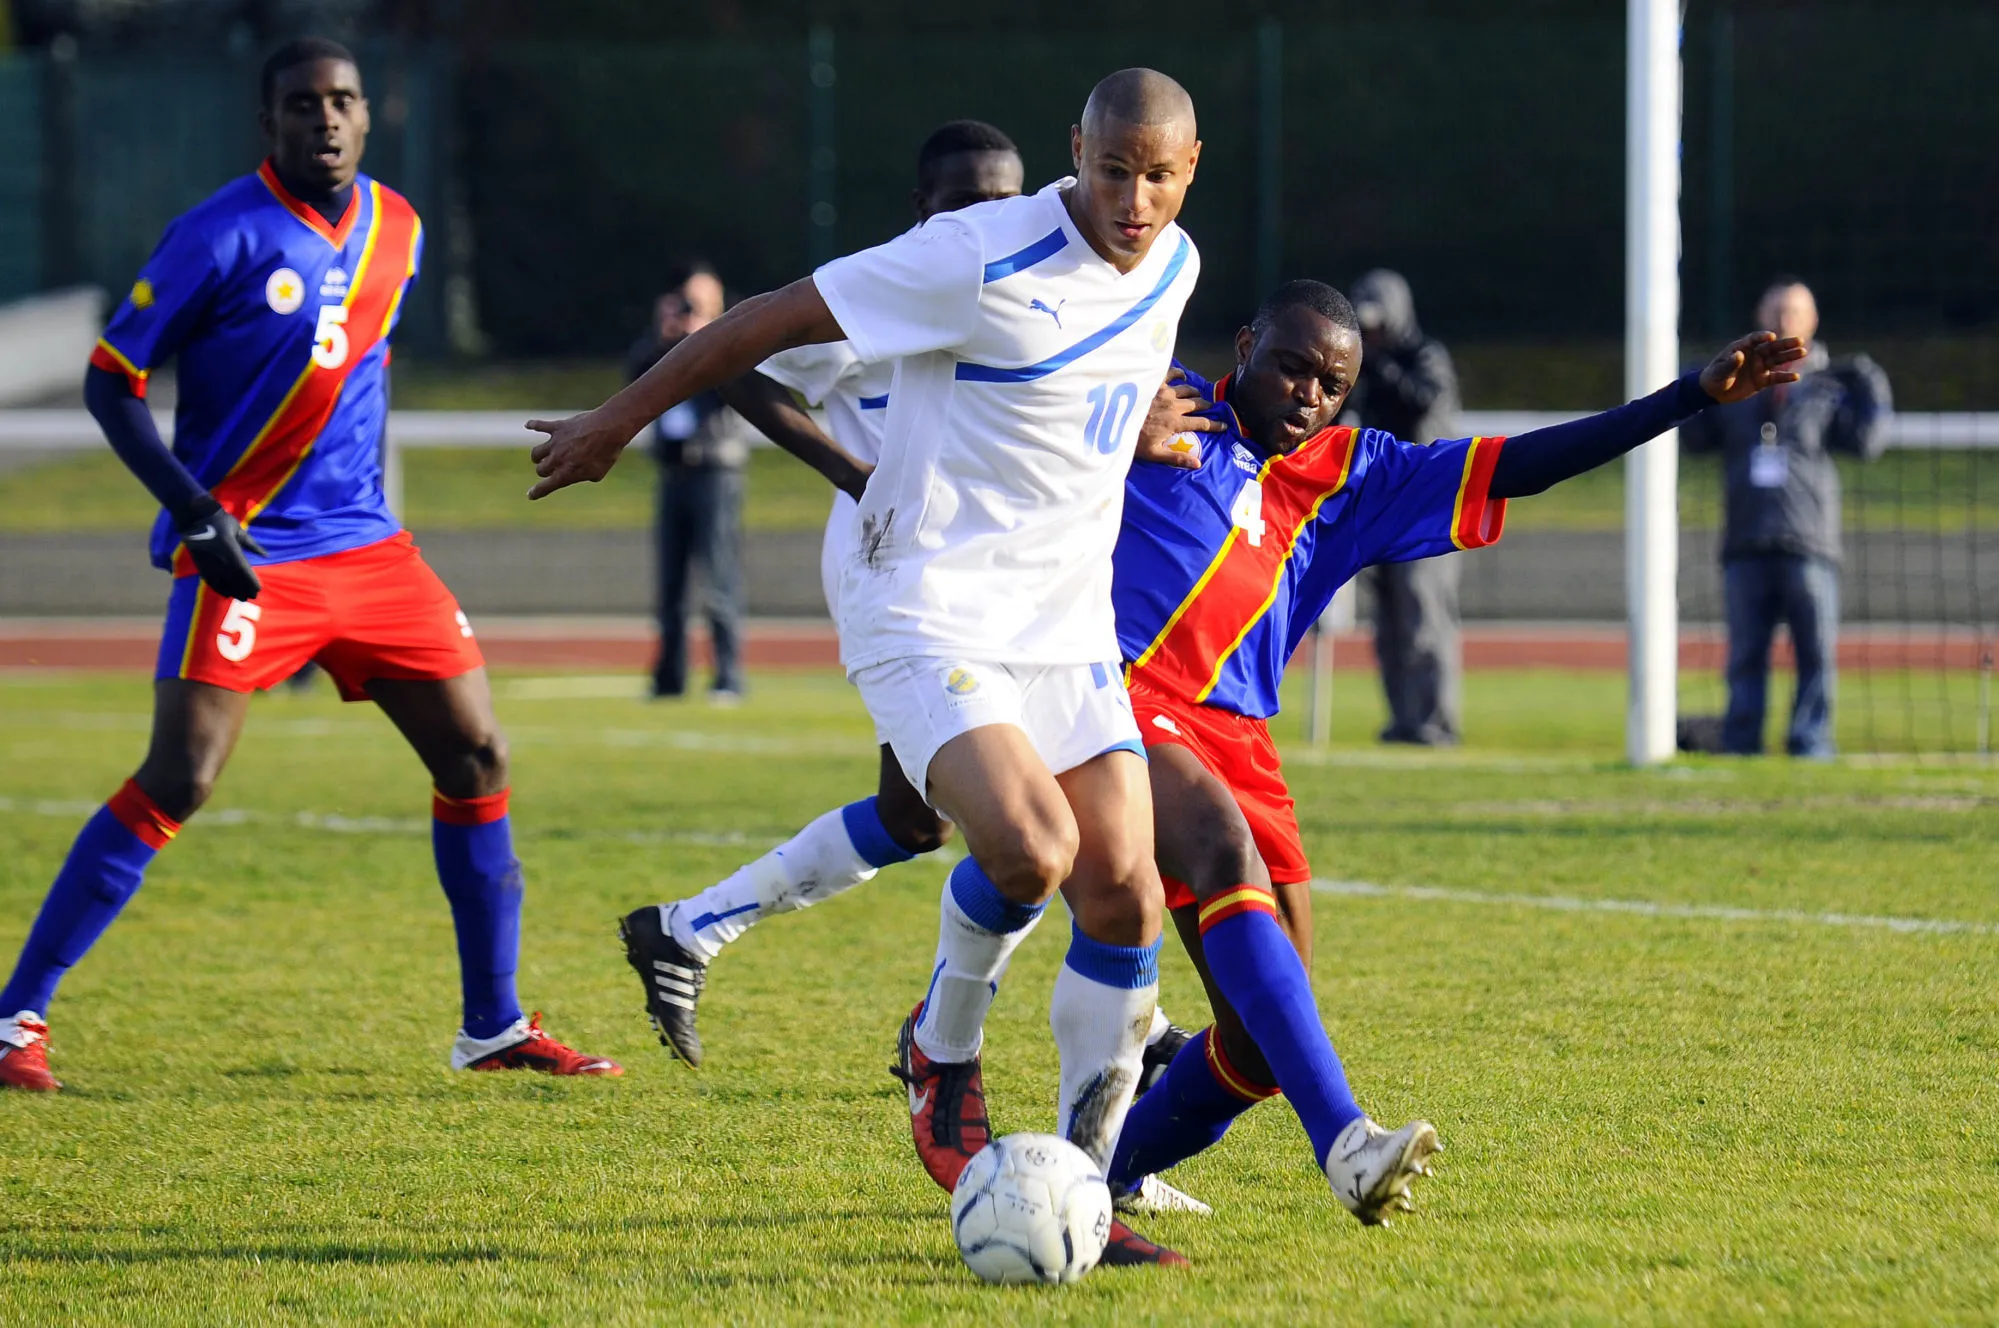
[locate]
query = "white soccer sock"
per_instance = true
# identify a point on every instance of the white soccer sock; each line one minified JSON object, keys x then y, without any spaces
{"x":1104,"y":1000}
{"x":977,"y":932}
{"x":1160,"y":1023}
{"x":828,"y":857}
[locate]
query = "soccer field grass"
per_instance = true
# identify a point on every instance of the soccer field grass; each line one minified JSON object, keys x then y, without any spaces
{"x":1685,"y":1067}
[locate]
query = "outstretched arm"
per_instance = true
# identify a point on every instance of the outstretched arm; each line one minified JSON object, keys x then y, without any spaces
{"x":1533,"y":462}
{"x":583,"y":448}
{"x":771,"y":409}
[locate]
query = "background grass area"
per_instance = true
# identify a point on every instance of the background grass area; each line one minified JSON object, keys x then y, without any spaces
{"x":1650,"y":1118}
{"x":484,"y":490}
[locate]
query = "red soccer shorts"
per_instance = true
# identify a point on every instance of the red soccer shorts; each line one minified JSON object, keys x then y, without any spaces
{"x":1238,"y":751}
{"x":373,"y":612}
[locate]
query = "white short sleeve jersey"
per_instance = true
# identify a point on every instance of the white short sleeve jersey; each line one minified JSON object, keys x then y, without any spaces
{"x":854,"y":394}
{"x":1025,"y":364}
{"x":852,"y":391}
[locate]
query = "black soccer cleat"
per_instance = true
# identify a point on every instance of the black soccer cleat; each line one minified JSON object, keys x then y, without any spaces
{"x":673,"y":980}
{"x":1159,"y":1054}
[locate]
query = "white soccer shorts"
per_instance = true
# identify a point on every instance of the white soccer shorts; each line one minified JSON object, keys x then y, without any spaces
{"x":1070,"y":712}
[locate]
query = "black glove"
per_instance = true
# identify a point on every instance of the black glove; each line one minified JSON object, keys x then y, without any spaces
{"x":215,"y":540}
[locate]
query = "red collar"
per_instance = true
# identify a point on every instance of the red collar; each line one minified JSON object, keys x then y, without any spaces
{"x":335,"y":235}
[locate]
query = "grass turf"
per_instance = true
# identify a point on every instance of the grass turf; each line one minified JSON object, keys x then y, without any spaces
{"x":468,"y":489}
{"x":1651,"y":1117}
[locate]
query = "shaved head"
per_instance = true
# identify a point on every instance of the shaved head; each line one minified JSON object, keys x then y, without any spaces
{"x":1138,"y":97}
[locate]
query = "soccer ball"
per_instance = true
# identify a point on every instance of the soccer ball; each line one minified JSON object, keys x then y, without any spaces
{"x":1031,"y":1208}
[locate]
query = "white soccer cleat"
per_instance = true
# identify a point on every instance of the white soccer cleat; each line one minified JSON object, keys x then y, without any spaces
{"x":1152,"y":1196}
{"x":1371,"y":1168}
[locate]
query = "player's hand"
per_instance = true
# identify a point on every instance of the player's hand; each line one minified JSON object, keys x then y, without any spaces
{"x":216,"y":541}
{"x":579,"y":450}
{"x":1751,"y":364}
{"x":856,"y":486}
{"x":1174,"y":414}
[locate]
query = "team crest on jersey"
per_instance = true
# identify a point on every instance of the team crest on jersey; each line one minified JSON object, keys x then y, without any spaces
{"x":961,"y":682}
{"x":284,"y":291}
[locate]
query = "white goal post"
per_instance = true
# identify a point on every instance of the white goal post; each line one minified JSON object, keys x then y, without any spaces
{"x":1651,"y":357}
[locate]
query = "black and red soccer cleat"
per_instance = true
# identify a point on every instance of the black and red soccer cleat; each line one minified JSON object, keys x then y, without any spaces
{"x":523,"y":1046}
{"x":947,"y":1107}
{"x":24,"y":1054}
{"x":1127,"y":1249}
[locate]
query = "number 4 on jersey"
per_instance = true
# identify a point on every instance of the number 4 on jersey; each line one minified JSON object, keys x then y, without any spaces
{"x":1248,"y":512}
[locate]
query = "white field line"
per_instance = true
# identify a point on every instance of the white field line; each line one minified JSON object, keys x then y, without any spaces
{"x":391,"y":825}
{"x":1648,"y":909}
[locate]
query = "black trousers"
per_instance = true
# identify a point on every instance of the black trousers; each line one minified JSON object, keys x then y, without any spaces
{"x":1418,"y":644}
{"x":700,"y":522}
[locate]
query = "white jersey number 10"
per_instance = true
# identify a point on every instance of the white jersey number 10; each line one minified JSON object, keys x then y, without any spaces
{"x":1110,"y":411}
{"x":1248,"y":512}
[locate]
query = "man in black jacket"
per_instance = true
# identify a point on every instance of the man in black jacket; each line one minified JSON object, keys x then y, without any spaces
{"x":1780,"y":547}
{"x":701,"y":447}
{"x":1408,"y":386}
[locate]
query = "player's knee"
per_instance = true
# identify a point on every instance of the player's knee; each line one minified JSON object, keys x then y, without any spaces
{"x":179,"y":787}
{"x":478,"y":769}
{"x":918,"y":831}
{"x":1031,"y":862}
{"x":1230,"y":859}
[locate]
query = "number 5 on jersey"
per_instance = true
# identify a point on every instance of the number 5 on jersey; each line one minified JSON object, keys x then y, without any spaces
{"x":238,"y":636}
{"x":1247,"y":514}
{"x":329,"y":343}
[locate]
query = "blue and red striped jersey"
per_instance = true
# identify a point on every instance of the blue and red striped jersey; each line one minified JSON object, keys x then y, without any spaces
{"x":281,"y":323}
{"x":1220,"y":572}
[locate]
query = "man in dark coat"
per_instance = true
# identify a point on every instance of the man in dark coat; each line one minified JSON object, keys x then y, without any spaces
{"x":701,"y":447}
{"x":1408,"y":386}
{"x":1780,"y":548}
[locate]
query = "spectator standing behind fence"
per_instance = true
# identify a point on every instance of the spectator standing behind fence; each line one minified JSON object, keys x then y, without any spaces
{"x":701,"y":446}
{"x":1408,"y":387}
{"x":1780,"y":544}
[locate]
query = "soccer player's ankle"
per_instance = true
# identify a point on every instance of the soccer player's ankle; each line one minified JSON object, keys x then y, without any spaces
{"x":490,"y":1021}
{"x":981,"y":901}
{"x":675,"y":920}
{"x":874,"y":839}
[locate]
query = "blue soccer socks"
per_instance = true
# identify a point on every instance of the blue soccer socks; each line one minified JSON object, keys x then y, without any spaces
{"x":1187,"y":1111}
{"x":473,"y":843}
{"x":104,"y":869}
{"x":1258,"y":970}
{"x":870,"y":838}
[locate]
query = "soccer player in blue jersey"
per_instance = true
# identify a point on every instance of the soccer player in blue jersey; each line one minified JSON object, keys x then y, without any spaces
{"x":278,"y":296}
{"x":1218,"y":573}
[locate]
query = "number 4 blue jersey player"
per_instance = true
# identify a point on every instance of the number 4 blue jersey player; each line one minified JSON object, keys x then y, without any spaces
{"x":1218,"y":573}
{"x":278,"y":296}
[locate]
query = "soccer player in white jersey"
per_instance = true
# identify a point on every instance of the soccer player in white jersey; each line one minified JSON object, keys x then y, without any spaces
{"x":671,"y":945}
{"x":975,"y":613}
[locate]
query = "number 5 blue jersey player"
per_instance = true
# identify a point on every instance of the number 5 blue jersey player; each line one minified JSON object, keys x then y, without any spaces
{"x":278,"y":296}
{"x":1218,"y":573}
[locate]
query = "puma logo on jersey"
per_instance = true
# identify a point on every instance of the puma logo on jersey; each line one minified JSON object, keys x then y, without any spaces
{"x":1055,"y":313}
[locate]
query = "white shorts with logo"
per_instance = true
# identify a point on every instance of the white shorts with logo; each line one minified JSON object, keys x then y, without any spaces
{"x":1072,"y":713}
